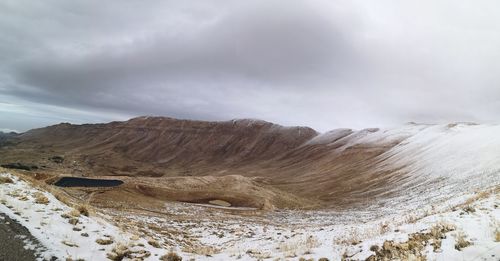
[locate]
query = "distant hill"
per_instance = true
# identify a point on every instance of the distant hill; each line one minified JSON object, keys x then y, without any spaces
{"x":5,"y":137}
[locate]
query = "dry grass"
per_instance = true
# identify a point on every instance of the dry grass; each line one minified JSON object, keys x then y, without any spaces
{"x":461,"y":241}
{"x":384,"y":228}
{"x":495,"y":225}
{"x":171,"y":256}
{"x":469,"y":209}
{"x":58,"y":193}
{"x":119,"y":252}
{"x":440,"y":228}
{"x":258,"y":255}
{"x":83,"y":209}
{"x":4,"y":180}
{"x":201,"y":250}
{"x":413,"y":249}
{"x":73,"y":221}
{"x":312,"y":242}
{"x":40,"y":198}
{"x":104,"y":241}
{"x":71,"y":259}
{"x":154,"y":243}
{"x":289,"y":249}
{"x":16,"y":193}
{"x":466,"y":206}
{"x":478,"y":196}
{"x":351,"y":238}
{"x":295,"y":247}
{"x":74,"y":213}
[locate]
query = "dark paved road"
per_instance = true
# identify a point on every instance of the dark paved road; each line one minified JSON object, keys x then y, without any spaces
{"x":12,"y":241}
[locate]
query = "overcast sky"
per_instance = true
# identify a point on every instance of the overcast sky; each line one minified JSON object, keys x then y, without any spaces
{"x":325,"y":64}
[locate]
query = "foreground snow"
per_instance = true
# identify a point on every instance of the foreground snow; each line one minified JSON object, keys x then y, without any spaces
{"x":310,"y":236}
{"x":285,"y":235}
{"x":62,"y":239}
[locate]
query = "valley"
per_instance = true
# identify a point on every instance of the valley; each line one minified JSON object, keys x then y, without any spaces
{"x":251,"y":190}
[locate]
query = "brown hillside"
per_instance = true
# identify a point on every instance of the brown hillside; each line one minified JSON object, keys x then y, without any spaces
{"x":283,"y":161}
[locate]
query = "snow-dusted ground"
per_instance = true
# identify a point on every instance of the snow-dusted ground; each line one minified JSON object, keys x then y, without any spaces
{"x":44,"y":221}
{"x":288,"y":235}
{"x":443,"y":166}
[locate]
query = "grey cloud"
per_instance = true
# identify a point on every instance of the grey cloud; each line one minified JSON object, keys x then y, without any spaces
{"x":321,"y":63}
{"x":252,"y":44}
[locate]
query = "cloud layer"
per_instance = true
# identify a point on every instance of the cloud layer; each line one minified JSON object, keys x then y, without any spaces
{"x":320,"y":63}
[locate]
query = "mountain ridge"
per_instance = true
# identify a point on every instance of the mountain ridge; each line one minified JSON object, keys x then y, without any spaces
{"x":340,"y":167}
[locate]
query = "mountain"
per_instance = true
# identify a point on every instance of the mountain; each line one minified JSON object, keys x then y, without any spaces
{"x":5,"y":137}
{"x":241,"y":160}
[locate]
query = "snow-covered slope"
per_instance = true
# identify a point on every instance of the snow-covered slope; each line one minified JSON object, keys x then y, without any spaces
{"x":63,"y":234}
{"x":406,"y":167}
{"x":441,"y":161}
{"x":457,"y":152}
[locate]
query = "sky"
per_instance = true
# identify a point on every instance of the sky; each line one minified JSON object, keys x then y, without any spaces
{"x":321,"y":63}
